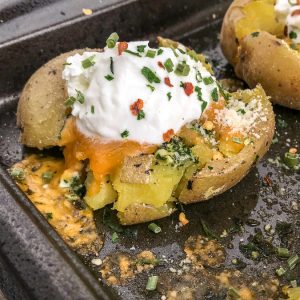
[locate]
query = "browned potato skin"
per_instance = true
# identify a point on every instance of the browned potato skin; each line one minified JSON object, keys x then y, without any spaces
{"x":220,"y":175}
{"x":229,"y":43}
{"x":41,"y":111}
{"x":269,"y":61}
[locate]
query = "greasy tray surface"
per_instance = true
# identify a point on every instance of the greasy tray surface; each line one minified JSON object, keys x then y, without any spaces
{"x":269,"y":194}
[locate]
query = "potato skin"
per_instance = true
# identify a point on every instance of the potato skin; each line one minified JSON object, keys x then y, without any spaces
{"x":229,"y":42}
{"x":220,"y":175}
{"x":270,"y":61}
{"x":41,"y":111}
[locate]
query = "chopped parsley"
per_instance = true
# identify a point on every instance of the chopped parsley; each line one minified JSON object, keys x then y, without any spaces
{"x":109,"y":77}
{"x":210,"y":167}
{"x":215,"y":94}
{"x":133,"y":53}
{"x":242,"y":111}
{"x":49,"y":216}
{"x":150,"y":75}
{"x":141,"y":115}
{"x":125,"y":134}
{"x":17,"y":174}
{"x":152,"y":88}
{"x":141,"y":48}
{"x":208,"y":80}
{"x":169,"y":95}
{"x":160,"y":51}
{"x":293,"y":35}
{"x":88,"y":62}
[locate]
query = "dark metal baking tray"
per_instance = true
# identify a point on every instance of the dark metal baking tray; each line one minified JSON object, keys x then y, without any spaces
{"x":34,"y":262}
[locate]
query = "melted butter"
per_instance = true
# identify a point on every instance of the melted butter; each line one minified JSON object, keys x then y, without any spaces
{"x":104,"y":156}
{"x":75,"y":226}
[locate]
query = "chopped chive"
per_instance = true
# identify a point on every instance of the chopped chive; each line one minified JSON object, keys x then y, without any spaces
{"x":237,"y":140}
{"x":79,"y":97}
{"x":199,"y":93}
{"x":215,"y":95}
{"x":292,"y":261}
{"x":223,"y":92}
{"x":88,"y":62}
{"x":283,"y":252}
{"x":125,"y":134}
{"x":150,"y":75}
{"x":49,"y":216}
{"x":47,"y":176}
{"x":67,"y":64}
{"x":152,"y":283}
{"x":198,"y":76}
{"x":169,"y":65}
{"x":112,"y":40}
{"x":92,"y":109}
{"x":160,"y":51}
{"x":209,"y":233}
{"x":242,"y":111}
{"x":192,"y":54}
{"x":141,"y":48}
{"x":182,"y":69}
{"x":152,"y":88}
{"x":141,"y":115}
{"x":111,"y":65}
{"x":114,"y":237}
{"x":233,"y":293}
{"x":154,"y":228}
{"x":151,"y":53}
{"x":208,"y":80}
{"x":181,"y":51}
{"x":17,"y":174}
{"x":169,"y":96}
{"x":109,"y":77}
{"x":291,"y":160}
{"x":70,"y":101}
{"x":280,"y":271}
{"x":293,"y":35}
{"x":147,"y":261}
{"x":174,"y":51}
{"x":210,"y":167}
{"x":133,"y":53}
{"x":203,"y":105}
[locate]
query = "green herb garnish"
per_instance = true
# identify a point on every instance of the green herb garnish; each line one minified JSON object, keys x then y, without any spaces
{"x":109,"y":77}
{"x":237,"y":140}
{"x":92,"y":109}
{"x":114,"y":237}
{"x":283,"y":252}
{"x":255,"y":34}
{"x":199,"y":93}
{"x":141,"y":115}
{"x":291,"y":160}
{"x":242,"y":111}
{"x":208,"y":232}
{"x":141,"y":48}
{"x":17,"y":174}
{"x":88,"y":62}
{"x":198,"y":76}
{"x":133,"y":53}
{"x":203,"y":105}
{"x":47,"y":176}
{"x":169,"y":65}
{"x":169,"y":95}
{"x":152,"y":88}
{"x":293,"y":35}
{"x":160,"y":51}
{"x":150,"y":75}
{"x":280,"y":271}
{"x":67,"y":64}
{"x":111,"y":65}
{"x":125,"y":134}
{"x":154,"y":228}
{"x":293,"y":261}
{"x":79,"y":97}
{"x":151,"y":53}
{"x":232,"y":293}
{"x":49,"y":216}
{"x":152,"y":283}
{"x":70,"y":101}
{"x":208,"y":80}
{"x":112,"y":40}
{"x":215,"y":94}
{"x":182,"y":69}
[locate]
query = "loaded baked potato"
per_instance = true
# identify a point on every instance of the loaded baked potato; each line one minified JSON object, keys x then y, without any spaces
{"x":260,"y":38}
{"x":206,"y":155}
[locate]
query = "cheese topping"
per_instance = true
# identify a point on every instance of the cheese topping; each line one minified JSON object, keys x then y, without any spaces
{"x":135,"y":92}
{"x":288,"y":13}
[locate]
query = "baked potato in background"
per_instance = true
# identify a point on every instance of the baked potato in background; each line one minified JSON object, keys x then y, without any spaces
{"x":144,"y":196}
{"x":253,"y":41}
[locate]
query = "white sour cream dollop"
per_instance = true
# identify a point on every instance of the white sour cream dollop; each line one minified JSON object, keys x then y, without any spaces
{"x":287,"y":12}
{"x":106,"y":111}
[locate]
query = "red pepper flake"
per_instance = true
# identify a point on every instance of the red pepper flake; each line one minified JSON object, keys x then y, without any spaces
{"x":168,"y":82}
{"x":122,"y":46}
{"x":296,"y":12}
{"x":136,"y":107}
{"x":268,"y":181}
{"x":161,"y":65}
{"x":167,"y":136}
{"x":188,"y":88}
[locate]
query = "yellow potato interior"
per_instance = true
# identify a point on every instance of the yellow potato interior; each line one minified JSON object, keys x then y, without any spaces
{"x":259,"y":16}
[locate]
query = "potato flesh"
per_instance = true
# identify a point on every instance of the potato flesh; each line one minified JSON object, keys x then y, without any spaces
{"x":259,"y":16}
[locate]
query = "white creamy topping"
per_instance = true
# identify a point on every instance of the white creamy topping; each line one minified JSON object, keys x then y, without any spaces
{"x":106,"y":108}
{"x":286,"y":12}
